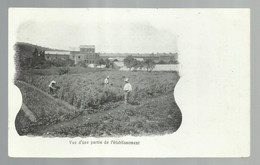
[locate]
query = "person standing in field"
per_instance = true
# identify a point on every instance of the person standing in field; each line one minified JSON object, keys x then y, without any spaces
{"x":127,"y":90}
{"x":52,"y":87}
{"x":106,"y":81}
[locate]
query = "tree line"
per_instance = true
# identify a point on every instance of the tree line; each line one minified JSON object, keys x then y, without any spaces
{"x":133,"y":64}
{"x":130,"y":62}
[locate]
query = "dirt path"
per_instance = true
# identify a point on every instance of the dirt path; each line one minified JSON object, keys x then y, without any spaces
{"x":28,"y":113}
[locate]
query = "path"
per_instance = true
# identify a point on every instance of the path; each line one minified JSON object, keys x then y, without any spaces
{"x":28,"y":113}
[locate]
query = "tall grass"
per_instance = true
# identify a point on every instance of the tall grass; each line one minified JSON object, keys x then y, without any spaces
{"x":86,"y":90}
{"x":46,"y":109}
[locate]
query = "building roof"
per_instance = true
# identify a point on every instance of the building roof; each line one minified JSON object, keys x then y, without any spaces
{"x":87,"y":46}
{"x":115,"y":58}
{"x":115,"y":55}
{"x":57,"y":52}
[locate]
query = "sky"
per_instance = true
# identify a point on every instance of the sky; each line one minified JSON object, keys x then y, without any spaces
{"x":110,"y":30}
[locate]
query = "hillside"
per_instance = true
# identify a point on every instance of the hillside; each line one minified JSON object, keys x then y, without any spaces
{"x":29,"y":56}
{"x":154,"y":116}
{"x":24,"y":50}
{"x":42,"y":108}
{"x":53,"y":117}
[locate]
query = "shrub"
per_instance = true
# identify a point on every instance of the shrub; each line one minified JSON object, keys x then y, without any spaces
{"x":63,"y":70}
{"x":81,"y":64}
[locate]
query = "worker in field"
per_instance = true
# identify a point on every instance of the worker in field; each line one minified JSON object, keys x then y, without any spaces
{"x":106,"y":81}
{"x":52,"y":87}
{"x":127,"y":90}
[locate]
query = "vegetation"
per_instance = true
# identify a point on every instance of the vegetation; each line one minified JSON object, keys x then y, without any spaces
{"x":100,"y":62}
{"x":63,"y":70}
{"x":151,"y":117}
{"x":30,"y":56}
{"x":45,"y":109}
{"x":84,"y":106}
{"x":87,"y":90}
{"x":82,"y":64}
{"x":131,"y":63}
{"x":98,"y":111}
{"x":149,"y":64}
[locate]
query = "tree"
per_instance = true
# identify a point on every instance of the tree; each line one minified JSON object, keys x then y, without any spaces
{"x":107,"y":63}
{"x":129,"y":62}
{"x":149,"y":64}
{"x":35,"y":52}
{"x":135,"y":64}
{"x":34,"y":57}
{"x":141,"y":65}
{"x":100,"y":62}
{"x":173,"y":62}
{"x":161,"y":62}
{"x":138,"y":64}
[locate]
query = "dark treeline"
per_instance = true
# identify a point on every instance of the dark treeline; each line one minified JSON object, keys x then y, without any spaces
{"x":30,"y":56}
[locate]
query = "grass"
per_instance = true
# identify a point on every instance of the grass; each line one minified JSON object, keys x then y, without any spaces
{"x":84,"y":90}
{"x":151,"y":117}
{"x":46,"y":109}
{"x":85,"y":108}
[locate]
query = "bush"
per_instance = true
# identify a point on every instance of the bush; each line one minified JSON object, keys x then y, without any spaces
{"x":63,"y":70}
{"x":82,"y":64}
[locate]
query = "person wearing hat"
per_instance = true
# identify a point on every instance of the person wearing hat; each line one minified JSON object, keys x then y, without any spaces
{"x":52,"y":87}
{"x":106,"y":81}
{"x":127,"y":90}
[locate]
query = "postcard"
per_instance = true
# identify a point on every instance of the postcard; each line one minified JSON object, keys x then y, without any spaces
{"x":107,"y":82}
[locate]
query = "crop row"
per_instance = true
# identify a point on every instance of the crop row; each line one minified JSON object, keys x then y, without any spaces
{"x":87,"y":89}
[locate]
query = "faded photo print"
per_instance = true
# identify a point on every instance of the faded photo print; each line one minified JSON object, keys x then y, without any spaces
{"x":86,"y":73}
{"x":100,"y":82}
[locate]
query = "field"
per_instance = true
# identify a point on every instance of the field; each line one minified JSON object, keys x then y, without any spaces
{"x":84,"y":107}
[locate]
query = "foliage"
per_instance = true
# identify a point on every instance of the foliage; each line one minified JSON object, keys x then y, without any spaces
{"x":173,"y":62}
{"x":29,"y":56}
{"x":45,"y":108}
{"x":87,"y":90}
{"x":108,"y":63}
{"x":100,"y":62}
{"x":129,"y":62}
{"x":162,"y":62}
{"x":82,"y":64}
{"x":152,"y":108}
{"x":149,"y":64}
{"x":63,"y":70}
{"x":154,"y":116}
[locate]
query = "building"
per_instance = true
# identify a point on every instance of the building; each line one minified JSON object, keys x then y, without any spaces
{"x":57,"y":55}
{"x":157,"y":57}
{"x":85,"y":53}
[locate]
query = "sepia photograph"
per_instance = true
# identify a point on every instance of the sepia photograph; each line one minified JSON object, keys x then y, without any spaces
{"x":96,"y":77}
{"x":100,"y":82}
